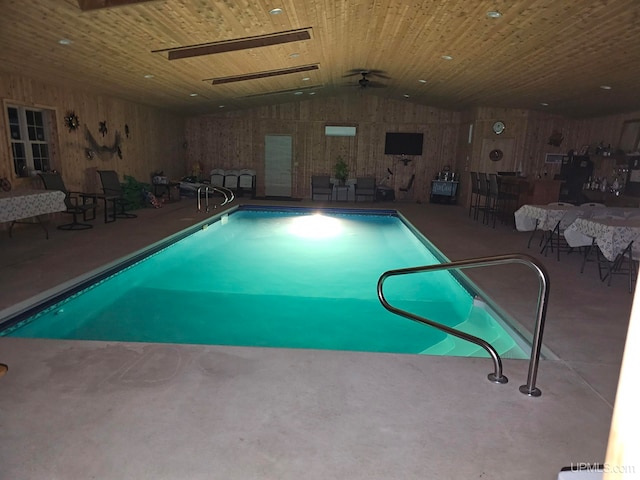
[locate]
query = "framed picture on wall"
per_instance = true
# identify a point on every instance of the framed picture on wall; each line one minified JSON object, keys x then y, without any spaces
{"x":553,"y":158}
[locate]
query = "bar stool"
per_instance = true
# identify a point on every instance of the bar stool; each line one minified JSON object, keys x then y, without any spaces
{"x":494,"y":201}
{"x":483,"y":188}
{"x":509,"y":198}
{"x":474,"y":204}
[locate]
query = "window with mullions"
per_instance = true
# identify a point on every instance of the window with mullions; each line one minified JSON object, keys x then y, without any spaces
{"x":28,"y":128}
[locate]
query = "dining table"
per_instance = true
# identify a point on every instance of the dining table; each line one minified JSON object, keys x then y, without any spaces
{"x":546,"y":217}
{"x":611,"y":234}
{"x":541,"y":217}
{"x":21,"y":204}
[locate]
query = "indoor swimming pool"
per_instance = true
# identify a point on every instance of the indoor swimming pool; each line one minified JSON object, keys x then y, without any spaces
{"x":276,"y":277}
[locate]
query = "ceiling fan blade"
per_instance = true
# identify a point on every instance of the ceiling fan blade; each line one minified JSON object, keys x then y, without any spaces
{"x":365,"y":73}
{"x":379,"y":75}
{"x":352,"y":74}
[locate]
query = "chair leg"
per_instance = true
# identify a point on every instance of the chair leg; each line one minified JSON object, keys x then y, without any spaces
{"x":587,"y":254}
{"x":476,"y":208}
{"x":535,"y":229}
{"x":549,"y":242}
{"x":75,"y":224}
{"x":599,"y":260}
{"x":122,"y":213}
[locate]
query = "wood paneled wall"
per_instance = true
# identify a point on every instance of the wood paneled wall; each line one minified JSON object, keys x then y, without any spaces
{"x":159,"y":140}
{"x":155,"y":141}
{"x":527,"y":135}
{"x":236,"y":140}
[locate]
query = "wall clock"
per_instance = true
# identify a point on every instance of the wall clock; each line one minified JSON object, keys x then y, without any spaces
{"x":495,"y":155}
{"x":498,"y":127}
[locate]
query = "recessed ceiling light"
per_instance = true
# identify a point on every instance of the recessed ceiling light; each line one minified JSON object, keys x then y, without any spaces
{"x":306,"y":79}
{"x":298,"y":93}
{"x":294,"y":55}
{"x":65,"y":41}
{"x":148,"y":75}
{"x":494,"y":14}
{"x":544,"y":104}
{"x":312,"y":93}
{"x":220,"y":106}
{"x":193,"y":94}
{"x":275,"y":11}
{"x":605,"y":87}
{"x":447,"y":57}
{"x":406,"y":95}
{"x":422,"y":80}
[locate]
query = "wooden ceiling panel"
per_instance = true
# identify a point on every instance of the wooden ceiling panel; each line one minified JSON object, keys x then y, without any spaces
{"x":539,"y":51}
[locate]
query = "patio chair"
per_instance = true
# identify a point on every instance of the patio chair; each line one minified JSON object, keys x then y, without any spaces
{"x":556,"y":235}
{"x":217,"y":177}
{"x":365,"y":187}
{"x":247,"y":182}
{"x":113,"y":191}
{"x":53,"y":181}
{"x":321,"y":185}
{"x":625,"y":263}
{"x":231,"y":179}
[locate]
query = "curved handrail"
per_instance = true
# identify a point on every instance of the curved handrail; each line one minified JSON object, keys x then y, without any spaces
{"x":543,"y":297}
{"x":227,"y":193}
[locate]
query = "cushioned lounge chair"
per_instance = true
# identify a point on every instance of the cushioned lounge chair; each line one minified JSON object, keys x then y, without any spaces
{"x":321,"y":185}
{"x":53,"y":181}
{"x":113,"y":191}
{"x":247,"y":182}
{"x":365,"y":187}
{"x":217,"y":177}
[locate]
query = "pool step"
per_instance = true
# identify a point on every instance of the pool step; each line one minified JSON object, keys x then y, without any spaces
{"x":478,"y":324}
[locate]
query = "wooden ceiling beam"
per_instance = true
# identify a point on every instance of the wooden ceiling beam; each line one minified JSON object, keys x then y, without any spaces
{"x":87,"y":5}
{"x":239,"y":44}
{"x":270,"y":73}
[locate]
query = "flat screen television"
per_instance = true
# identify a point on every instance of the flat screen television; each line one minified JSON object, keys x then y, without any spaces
{"x":397,"y":143}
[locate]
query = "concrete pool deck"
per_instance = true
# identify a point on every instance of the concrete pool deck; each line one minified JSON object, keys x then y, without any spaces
{"x":76,"y":409}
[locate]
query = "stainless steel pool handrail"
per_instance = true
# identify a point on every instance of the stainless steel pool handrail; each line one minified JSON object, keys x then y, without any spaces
{"x":228,"y":196}
{"x":529,"y":388}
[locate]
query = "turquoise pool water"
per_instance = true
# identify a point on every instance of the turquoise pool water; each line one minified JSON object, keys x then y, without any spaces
{"x":293,"y":278}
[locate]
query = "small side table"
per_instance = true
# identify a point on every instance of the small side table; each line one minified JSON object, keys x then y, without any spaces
{"x":109,"y":200}
{"x":163,"y":188}
{"x":339,"y":189}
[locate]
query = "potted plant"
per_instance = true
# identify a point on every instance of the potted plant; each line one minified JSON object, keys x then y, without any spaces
{"x":341,"y":171}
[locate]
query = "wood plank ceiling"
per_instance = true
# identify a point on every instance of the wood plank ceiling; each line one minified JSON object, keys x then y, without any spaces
{"x":537,"y":52}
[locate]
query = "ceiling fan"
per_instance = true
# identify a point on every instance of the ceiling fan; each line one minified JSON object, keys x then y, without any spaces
{"x":364,"y":82}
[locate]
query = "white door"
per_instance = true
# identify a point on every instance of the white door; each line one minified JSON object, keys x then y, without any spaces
{"x":277,"y":165}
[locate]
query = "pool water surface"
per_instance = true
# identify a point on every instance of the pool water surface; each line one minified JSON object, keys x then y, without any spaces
{"x":292,"y":278}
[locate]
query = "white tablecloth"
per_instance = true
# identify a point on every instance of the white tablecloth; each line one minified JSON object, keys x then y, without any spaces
{"x":612,"y":235}
{"x":19,"y":204}
{"x":548,"y":216}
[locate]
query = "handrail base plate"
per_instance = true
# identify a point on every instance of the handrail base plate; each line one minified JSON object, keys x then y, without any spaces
{"x":536,"y":392}
{"x":495,"y":379}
